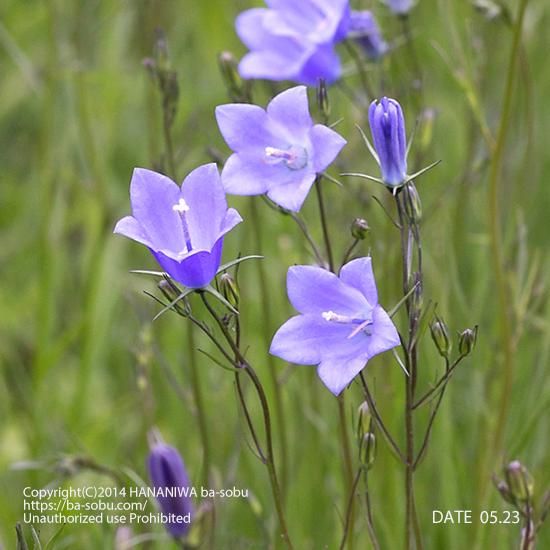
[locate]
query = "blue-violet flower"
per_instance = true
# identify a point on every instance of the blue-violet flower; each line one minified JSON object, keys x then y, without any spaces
{"x":183,"y":227}
{"x":277,"y":151}
{"x":293,"y":40}
{"x":167,"y":471}
{"x":365,"y":31}
{"x":387,"y":126}
{"x":340,"y":326}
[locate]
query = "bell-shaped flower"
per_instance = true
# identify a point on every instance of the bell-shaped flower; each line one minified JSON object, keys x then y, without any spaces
{"x":387,"y":126}
{"x":364,"y":29}
{"x":183,"y":227}
{"x":278,"y":151}
{"x":169,"y":478}
{"x":341,"y":325}
{"x":293,"y":40}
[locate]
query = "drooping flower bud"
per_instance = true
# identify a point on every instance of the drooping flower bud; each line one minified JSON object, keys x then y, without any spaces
{"x":237,"y":88}
{"x":502,"y":487}
{"x":359,"y":229}
{"x":467,"y":341}
{"x":440,"y":337}
{"x":367,"y":451}
{"x":167,"y":471}
{"x":519,"y":480}
{"x":387,"y":125}
{"x":364,"y":29}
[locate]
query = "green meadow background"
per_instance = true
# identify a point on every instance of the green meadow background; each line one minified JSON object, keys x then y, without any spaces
{"x":84,"y":372}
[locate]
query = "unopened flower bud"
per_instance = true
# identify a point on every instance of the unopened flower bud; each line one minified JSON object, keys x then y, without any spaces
{"x":467,"y":341}
{"x":502,"y":487}
{"x":440,"y":337}
{"x":367,"y":452}
{"x":359,"y":229}
{"x":364,"y":418}
{"x":322,"y":100}
{"x":230,"y":290}
{"x":166,"y":470}
{"x":413,"y":206}
{"x":519,"y":481}
{"x":123,"y":538}
{"x":228,"y":65}
{"x":387,"y":125}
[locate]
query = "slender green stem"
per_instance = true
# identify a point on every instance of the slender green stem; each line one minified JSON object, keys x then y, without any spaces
{"x":349,"y":509}
{"x":269,"y":462}
{"x":199,"y":403}
{"x":266,"y":333}
{"x":324,"y":222}
{"x":504,"y":316}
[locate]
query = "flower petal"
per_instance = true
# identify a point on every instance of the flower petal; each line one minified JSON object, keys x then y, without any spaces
{"x":153,"y":196}
{"x":242,"y":124}
{"x":290,"y":109}
{"x":315,"y":290}
{"x":242,"y":174}
{"x":326,"y":144}
{"x":203,"y":192}
{"x":250,"y":28}
{"x":292,"y":194}
{"x":195,"y":270}
{"x":358,"y":274}
{"x":384,"y":335}
{"x":322,"y":62}
{"x":282,"y":63}
{"x":338,"y":372}
{"x":131,"y":228}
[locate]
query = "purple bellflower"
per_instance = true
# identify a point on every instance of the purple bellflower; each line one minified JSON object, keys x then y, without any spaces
{"x":387,"y":126}
{"x":340,"y":326}
{"x":400,"y":7}
{"x":293,"y":40}
{"x":365,"y":31}
{"x":167,"y":471}
{"x":277,"y":151}
{"x":183,"y":227}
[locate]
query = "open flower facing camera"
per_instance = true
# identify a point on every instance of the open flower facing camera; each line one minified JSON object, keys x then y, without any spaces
{"x":278,"y":150}
{"x":341,"y":325}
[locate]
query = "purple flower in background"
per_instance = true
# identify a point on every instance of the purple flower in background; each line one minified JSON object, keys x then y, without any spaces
{"x":277,"y":151}
{"x":340,"y":326}
{"x":387,"y":126}
{"x":365,"y":31}
{"x":183,"y":227}
{"x":400,"y":7}
{"x":167,"y":471}
{"x":293,"y":40}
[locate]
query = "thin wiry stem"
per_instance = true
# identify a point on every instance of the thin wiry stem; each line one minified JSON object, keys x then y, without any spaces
{"x":269,"y":456}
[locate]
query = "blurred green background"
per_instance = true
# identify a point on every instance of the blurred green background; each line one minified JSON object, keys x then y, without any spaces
{"x":86,"y":374}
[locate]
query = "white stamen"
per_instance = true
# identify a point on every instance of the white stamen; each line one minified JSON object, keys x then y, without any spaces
{"x":181,"y":206}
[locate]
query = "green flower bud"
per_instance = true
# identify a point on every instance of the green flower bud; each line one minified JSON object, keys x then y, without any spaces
{"x":503,"y":489}
{"x":364,"y":418}
{"x":359,"y":229}
{"x":413,"y":205}
{"x":519,"y":480}
{"x":367,"y":451}
{"x":467,"y":341}
{"x":230,"y":290}
{"x":440,"y":337}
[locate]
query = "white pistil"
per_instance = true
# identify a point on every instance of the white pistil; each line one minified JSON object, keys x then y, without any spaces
{"x":181,"y":207}
{"x":362,"y":324}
